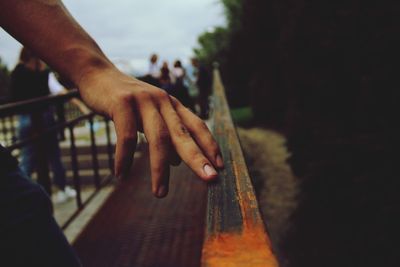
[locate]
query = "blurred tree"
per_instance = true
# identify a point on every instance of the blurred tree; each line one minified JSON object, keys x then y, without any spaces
{"x":246,"y":51}
{"x":212,"y":45}
{"x":327,"y":73}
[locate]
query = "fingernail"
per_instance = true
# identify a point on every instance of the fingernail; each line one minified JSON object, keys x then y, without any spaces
{"x":162,"y":191}
{"x":220,"y":163}
{"x":209,"y":171}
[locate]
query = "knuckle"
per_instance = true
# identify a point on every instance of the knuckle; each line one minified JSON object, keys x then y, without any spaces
{"x":212,"y":146}
{"x":197,"y":156}
{"x":181,"y":131}
{"x":143,"y":96}
{"x":126,"y":98}
{"x":162,"y":95}
{"x":175,"y":102}
{"x":162,"y":141}
{"x":164,"y":137}
{"x":128,"y":138}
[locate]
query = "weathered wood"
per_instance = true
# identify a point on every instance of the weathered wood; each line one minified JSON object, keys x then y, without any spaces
{"x":235,"y":232}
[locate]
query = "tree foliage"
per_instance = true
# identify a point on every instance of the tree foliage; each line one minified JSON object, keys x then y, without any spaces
{"x":326,"y":74}
{"x":211,"y":45}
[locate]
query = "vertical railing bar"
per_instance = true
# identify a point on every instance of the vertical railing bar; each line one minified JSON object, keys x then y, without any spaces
{"x":13,"y":129}
{"x":109,"y":145}
{"x":74,"y":164}
{"x":6,"y":131}
{"x":3,"y":129}
{"x":95,"y":161}
{"x":41,"y":152}
{"x":60,"y":110}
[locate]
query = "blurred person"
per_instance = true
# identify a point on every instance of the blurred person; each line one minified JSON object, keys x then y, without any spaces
{"x":181,"y":91}
{"x":29,"y":234}
{"x":165,"y":78}
{"x":204,"y":84}
{"x":31,"y":79}
{"x":153,"y":74}
{"x":154,"y":70}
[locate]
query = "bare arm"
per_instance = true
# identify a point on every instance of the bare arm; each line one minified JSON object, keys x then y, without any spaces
{"x":47,"y":28}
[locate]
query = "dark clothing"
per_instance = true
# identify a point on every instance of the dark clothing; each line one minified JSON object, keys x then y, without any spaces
{"x":7,"y":162}
{"x":165,"y":80}
{"x":181,"y":92}
{"x":204,"y":80}
{"x":28,"y":161}
{"x":27,"y":84}
{"x":29,"y":234}
{"x":23,"y":80}
{"x":204,"y":84}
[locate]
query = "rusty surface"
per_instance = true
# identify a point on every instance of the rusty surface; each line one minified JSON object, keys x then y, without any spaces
{"x":134,"y":229}
{"x":245,"y":248}
{"x":235,"y":232}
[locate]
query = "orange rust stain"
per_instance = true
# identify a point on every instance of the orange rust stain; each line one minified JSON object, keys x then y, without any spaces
{"x":249,"y":248}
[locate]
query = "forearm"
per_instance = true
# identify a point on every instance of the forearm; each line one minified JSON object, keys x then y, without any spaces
{"x":170,"y":128}
{"x":37,"y":24}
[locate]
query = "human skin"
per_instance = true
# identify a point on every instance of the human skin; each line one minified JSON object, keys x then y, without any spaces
{"x":173,"y":132}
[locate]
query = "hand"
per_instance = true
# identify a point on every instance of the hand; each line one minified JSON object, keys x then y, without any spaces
{"x":172,"y":131}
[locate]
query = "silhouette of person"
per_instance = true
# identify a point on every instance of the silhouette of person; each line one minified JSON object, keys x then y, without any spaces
{"x":165,"y":78}
{"x":31,"y":79}
{"x":203,"y":83}
{"x":180,"y":89}
{"x":153,"y":75}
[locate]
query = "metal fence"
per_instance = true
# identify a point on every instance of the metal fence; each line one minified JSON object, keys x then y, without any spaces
{"x":65,"y":128}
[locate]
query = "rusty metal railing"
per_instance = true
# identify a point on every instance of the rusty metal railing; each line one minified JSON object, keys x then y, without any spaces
{"x":235,"y":232}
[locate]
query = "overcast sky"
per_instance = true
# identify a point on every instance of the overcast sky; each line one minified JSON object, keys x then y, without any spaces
{"x":128,"y":31}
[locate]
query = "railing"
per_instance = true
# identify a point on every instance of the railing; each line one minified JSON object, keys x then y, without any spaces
{"x":8,"y":130}
{"x":8,"y":120}
{"x":235,"y":232}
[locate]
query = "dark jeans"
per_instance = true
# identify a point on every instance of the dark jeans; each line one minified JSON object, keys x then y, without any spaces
{"x":29,"y":152}
{"x":29,"y":235}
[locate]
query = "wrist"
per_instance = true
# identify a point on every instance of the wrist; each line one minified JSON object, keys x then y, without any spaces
{"x":84,"y":63}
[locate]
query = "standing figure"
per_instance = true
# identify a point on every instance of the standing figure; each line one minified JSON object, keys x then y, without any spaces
{"x":165,"y":78}
{"x":181,"y":91}
{"x":30,"y":79}
{"x":203,"y":83}
{"x":154,"y":71}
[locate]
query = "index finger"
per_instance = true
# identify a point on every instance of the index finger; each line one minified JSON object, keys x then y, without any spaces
{"x":183,"y":142}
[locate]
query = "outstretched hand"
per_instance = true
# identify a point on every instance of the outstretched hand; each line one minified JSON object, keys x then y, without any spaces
{"x":173,"y":132}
